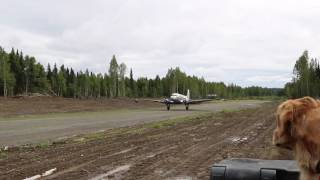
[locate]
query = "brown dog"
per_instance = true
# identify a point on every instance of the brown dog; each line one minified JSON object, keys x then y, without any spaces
{"x":298,"y":129}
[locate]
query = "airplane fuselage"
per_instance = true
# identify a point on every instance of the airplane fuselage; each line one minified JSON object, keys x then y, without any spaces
{"x":177,"y":98}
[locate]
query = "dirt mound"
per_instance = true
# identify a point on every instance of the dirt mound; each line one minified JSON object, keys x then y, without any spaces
{"x":25,"y":105}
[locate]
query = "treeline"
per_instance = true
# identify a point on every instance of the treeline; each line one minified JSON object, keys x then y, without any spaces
{"x":306,"y":78}
{"x":21,"y":74}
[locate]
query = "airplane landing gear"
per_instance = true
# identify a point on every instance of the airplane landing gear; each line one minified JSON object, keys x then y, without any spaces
{"x":168,"y":107}
{"x":187,"y":107}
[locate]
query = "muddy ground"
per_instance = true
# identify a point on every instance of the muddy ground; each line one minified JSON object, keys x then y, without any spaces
{"x":179,"y":148}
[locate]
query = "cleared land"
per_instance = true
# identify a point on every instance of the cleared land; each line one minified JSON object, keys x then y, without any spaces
{"x":32,"y":125}
{"x":182,"y":148}
{"x":10,"y":107}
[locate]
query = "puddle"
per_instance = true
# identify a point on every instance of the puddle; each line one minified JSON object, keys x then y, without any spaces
{"x":217,"y":124}
{"x":238,"y":139}
{"x":38,"y":176}
{"x":180,"y":178}
{"x":111,"y":173}
{"x":122,"y":152}
{"x":260,"y":126}
{"x":199,"y":139}
{"x":151,"y":156}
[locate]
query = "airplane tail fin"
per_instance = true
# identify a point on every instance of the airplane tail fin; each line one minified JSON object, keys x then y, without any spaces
{"x":188,"y":94}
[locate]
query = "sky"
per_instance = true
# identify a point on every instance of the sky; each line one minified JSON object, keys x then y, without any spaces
{"x":247,"y":42}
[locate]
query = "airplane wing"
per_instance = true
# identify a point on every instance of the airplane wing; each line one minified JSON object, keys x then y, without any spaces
{"x":163,"y":101}
{"x":198,"y":101}
{"x":159,"y":101}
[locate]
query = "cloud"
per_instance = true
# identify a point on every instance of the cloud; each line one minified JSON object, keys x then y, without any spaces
{"x":234,"y":41}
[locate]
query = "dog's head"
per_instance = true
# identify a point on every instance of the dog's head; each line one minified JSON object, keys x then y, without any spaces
{"x":290,"y":116}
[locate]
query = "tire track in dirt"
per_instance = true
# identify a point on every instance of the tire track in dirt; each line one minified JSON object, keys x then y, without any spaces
{"x":196,"y":151}
{"x":201,"y":151}
{"x":173,"y":154}
{"x":139,"y":151}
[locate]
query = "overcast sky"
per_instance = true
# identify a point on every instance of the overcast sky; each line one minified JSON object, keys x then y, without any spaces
{"x":247,"y":42}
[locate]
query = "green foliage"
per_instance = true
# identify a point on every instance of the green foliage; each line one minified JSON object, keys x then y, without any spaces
{"x":122,"y":85}
{"x":306,"y":78}
{"x":3,"y":155}
{"x":131,"y":85}
{"x":21,"y":74}
{"x":44,"y":145}
{"x":114,"y":77}
{"x":7,"y":78}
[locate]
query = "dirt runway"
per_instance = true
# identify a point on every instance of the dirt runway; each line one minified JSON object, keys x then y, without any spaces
{"x":168,"y":150}
{"x":38,"y":128}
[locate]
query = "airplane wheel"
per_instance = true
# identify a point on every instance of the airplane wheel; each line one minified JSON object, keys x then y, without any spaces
{"x":168,"y":107}
{"x":187,"y":107}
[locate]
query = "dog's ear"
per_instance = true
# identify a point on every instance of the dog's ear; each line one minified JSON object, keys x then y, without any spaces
{"x":286,"y":113}
{"x":301,"y":106}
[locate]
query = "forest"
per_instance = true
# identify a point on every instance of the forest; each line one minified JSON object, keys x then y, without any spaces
{"x":22,"y":75}
{"x":306,"y":78}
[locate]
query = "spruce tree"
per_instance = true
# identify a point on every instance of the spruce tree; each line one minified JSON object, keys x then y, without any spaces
{"x":132,"y":89}
{"x":113,"y":75}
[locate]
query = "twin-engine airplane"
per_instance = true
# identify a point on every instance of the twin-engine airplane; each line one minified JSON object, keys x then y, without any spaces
{"x":177,"y":98}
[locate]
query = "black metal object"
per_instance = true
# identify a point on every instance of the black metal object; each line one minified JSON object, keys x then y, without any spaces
{"x":255,"y":169}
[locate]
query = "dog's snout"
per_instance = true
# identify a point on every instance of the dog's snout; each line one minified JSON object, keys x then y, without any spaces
{"x":318,"y":167}
{"x":281,"y":145}
{"x":284,"y":145}
{"x":275,"y":138}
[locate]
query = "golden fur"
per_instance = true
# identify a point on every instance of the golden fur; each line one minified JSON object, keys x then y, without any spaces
{"x":298,"y":129}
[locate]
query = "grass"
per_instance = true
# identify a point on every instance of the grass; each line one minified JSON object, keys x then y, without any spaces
{"x":154,"y":125}
{"x":229,"y":110}
{"x":44,"y":145}
{"x":174,"y":121}
{"x":3,"y":155}
{"x":118,"y":131}
{"x":94,"y":136}
{"x":132,"y":130}
{"x":139,"y":129}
